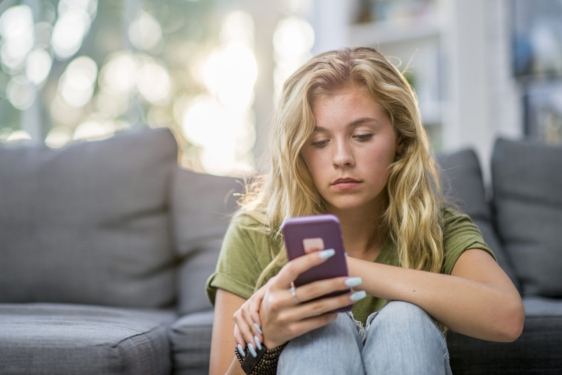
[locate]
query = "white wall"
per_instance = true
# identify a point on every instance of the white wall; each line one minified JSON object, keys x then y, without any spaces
{"x":484,"y":99}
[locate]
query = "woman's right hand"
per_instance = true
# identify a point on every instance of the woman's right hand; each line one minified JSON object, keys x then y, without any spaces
{"x":284,"y":317}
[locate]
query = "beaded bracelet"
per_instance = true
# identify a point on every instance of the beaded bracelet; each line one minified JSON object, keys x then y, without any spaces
{"x":265,"y":363}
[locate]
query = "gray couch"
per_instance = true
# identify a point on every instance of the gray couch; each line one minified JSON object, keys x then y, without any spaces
{"x":520,"y":216}
{"x":105,"y":248}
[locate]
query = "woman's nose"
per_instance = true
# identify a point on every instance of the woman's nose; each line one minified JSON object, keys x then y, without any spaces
{"x":343,"y":156}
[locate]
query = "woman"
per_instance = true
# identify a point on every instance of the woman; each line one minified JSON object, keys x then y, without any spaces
{"x":348,"y":140}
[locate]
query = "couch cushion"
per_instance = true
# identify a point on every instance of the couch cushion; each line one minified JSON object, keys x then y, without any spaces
{"x":190,"y":338}
{"x":202,"y":206}
{"x":462,"y":184}
{"x":76,"y":339}
{"x":537,"y":351}
{"x":540,"y":306}
{"x":88,"y":223}
{"x":527,"y":182}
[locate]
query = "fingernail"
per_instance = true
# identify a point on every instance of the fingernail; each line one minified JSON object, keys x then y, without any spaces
{"x":258,"y":328}
{"x":258,"y":344}
{"x":358,"y":295}
{"x":325,"y":254}
{"x":240,"y":350}
{"x":252,"y":350}
{"x":353,"y":281}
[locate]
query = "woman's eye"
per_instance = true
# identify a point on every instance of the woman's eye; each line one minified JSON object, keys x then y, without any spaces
{"x":364,"y":137}
{"x":320,"y":143}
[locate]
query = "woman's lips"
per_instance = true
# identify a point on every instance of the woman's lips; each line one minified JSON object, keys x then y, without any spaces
{"x":345,"y":184}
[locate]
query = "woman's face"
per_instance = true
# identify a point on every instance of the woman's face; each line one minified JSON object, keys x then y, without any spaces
{"x":350,"y":150}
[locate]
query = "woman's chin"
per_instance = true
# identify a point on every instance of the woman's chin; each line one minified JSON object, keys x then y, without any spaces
{"x":348,"y":206}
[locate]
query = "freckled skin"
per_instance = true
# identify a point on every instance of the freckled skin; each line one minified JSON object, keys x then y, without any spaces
{"x":354,"y":138}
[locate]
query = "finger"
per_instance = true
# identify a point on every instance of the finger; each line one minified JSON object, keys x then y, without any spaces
{"x":245,"y":330}
{"x":320,"y":288}
{"x":295,"y":267}
{"x":257,"y":336}
{"x":255,"y":314}
{"x":239,"y":339}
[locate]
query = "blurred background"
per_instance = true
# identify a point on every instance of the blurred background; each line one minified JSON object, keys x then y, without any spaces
{"x":211,"y":70}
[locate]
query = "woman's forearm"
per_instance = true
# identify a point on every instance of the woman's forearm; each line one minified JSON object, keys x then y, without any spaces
{"x":235,"y":368}
{"x":477,"y":309}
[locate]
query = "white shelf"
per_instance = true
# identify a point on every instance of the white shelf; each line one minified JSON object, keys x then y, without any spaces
{"x":395,"y":31}
{"x":416,"y":41}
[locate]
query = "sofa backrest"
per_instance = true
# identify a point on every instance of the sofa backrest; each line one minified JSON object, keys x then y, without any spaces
{"x":463,"y":186}
{"x":88,"y":223}
{"x":527,"y":187}
{"x":202,"y":206}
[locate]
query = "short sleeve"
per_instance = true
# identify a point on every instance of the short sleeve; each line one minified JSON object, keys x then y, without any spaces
{"x":241,"y":259}
{"x":459,"y":234}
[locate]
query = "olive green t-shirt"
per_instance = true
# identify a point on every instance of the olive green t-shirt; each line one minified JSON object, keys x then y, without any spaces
{"x":246,"y":252}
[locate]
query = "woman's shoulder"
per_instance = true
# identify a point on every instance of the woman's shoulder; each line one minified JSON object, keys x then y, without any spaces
{"x":450,"y":215}
{"x":249,"y":220}
{"x":249,"y":225}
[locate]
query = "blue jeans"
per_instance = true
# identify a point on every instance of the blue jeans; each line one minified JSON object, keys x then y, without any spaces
{"x":400,"y":339}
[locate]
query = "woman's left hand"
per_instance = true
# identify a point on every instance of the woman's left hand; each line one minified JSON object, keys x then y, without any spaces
{"x":247,"y":324}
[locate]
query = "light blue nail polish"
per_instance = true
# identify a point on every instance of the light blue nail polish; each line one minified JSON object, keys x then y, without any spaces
{"x":258,"y":328}
{"x":240,"y":350}
{"x":358,"y":295}
{"x":353,"y":281}
{"x":258,"y":343}
{"x":252,"y":350}
{"x":325,"y":254}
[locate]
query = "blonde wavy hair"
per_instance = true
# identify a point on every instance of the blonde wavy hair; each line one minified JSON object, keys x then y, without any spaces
{"x":412,"y":217}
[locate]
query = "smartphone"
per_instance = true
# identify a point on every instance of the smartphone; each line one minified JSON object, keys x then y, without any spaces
{"x":305,"y":234}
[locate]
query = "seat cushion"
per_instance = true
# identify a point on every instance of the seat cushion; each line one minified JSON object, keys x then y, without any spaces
{"x":190,"y":338}
{"x":78,"y":339}
{"x":463,"y":186}
{"x":536,"y":352}
{"x":527,"y":187}
{"x":88,"y":223}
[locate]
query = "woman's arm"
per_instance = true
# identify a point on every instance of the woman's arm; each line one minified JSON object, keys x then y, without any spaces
{"x":478,"y":299}
{"x":281,"y":316}
{"x":223,"y":360}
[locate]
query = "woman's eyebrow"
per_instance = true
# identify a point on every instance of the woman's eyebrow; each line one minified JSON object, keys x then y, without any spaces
{"x":354,"y":123}
{"x":362,"y":120}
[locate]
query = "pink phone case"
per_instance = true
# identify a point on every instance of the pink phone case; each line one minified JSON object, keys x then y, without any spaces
{"x":315,"y":231}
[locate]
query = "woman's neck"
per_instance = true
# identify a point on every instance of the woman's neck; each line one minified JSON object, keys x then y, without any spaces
{"x":363,"y":232}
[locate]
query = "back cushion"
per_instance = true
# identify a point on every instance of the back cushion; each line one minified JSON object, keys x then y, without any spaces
{"x":202,"y":206}
{"x":527,"y":184}
{"x":88,"y":223}
{"x":463,"y":186}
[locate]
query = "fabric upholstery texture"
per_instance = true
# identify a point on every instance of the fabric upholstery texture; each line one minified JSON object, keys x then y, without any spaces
{"x":464,"y":187}
{"x":527,"y":186}
{"x":537,"y":351}
{"x":78,"y":339}
{"x":202,"y":206}
{"x":190,"y":338}
{"x":88,"y":223}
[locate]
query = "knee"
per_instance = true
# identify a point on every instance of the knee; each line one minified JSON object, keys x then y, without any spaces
{"x":339,"y":336}
{"x":399,"y":317}
{"x":404,"y":335}
{"x":341,"y":329}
